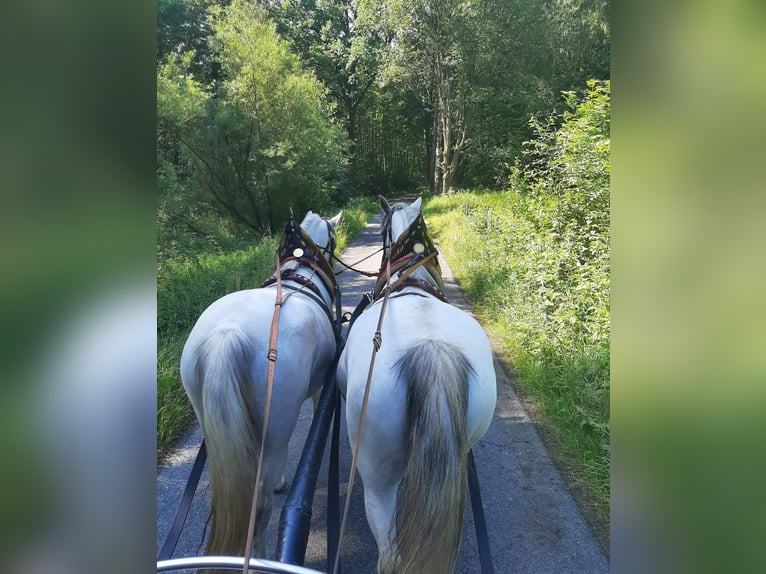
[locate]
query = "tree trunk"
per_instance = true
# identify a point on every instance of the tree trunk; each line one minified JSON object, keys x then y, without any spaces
{"x":438,"y":150}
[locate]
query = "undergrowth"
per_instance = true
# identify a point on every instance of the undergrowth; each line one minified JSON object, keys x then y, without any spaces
{"x":534,"y":262}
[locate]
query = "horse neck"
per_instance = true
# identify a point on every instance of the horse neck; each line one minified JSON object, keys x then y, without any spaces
{"x":313,"y":276}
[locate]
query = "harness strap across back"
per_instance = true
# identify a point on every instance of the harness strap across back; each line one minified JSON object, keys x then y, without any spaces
{"x":272,"y":359}
{"x":294,"y":245}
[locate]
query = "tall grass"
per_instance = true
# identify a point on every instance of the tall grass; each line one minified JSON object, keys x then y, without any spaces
{"x":534,"y":260}
{"x":187,"y":285}
{"x":564,"y":373}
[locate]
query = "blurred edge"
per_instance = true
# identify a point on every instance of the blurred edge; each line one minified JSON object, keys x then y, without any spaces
{"x":77,"y":245}
{"x":77,"y":236}
{"x":688,"y":283}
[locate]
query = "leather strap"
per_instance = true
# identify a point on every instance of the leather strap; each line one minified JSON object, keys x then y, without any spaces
{"x":322,"y":305}
{"x":333,"y":489}
{"x":272,"y":358}
{"x":183,"y":508}
{"x":377,"y":341}
{"x":351,"y":267}
{"x":406,"y":273}
{"x":479,"y":521}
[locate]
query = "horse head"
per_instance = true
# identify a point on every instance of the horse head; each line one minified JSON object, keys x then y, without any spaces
{"x":322,"y":232}
{"x":397,"y":219}
{"x":408,"y":249}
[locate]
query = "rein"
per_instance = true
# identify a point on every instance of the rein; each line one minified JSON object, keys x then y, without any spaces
{"x":295,"y":245}
{"x":272,"y":357}
{"x":377,"y":341}
{"x":351,"y":267}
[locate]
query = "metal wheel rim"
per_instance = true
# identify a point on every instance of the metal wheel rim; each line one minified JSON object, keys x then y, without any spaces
{"x":231,"y":563}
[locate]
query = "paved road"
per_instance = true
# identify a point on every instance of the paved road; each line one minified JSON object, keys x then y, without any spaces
{"x":534,"y":525}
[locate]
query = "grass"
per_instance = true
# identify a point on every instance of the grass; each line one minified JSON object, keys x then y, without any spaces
{"x":186,"y":287}
{"x":560,"y":358}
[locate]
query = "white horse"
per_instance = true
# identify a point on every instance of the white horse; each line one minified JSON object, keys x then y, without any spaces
{"x":431,"y":399}
{"x":224,"y":372}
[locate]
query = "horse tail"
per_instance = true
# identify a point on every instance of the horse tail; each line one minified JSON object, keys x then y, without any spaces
{"x":431,"y":496}
{"x":231,"y":423}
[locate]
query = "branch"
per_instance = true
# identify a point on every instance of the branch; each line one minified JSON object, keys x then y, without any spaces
{"x":193,"y":227}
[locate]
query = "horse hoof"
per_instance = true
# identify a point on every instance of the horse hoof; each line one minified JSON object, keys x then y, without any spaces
{"x":282,"y":486}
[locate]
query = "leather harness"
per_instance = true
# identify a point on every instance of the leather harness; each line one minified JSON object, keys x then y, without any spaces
{"x":413,"y":249}
{"x":295,"y":245}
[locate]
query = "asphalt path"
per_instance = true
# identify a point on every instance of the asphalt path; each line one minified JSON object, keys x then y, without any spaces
{"x":534,"y":525}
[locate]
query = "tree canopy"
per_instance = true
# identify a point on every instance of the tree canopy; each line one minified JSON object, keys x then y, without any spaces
{"x":269,"y":105}
{"x":259,"y":140}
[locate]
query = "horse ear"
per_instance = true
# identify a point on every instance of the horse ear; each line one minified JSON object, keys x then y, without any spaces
{"x":335,"y":220}
{"x":384,"y":204}
{"x":413,"y":209}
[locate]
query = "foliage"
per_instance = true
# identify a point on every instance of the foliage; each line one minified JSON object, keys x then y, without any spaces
{"x":259,"y":141}
{"x":389,"y":154}
{"x":183,"y":27}
{"x":541,"y":286}
{"x":425,"y":90}
{"x":341,"y":46}
{"x":580,"y":41}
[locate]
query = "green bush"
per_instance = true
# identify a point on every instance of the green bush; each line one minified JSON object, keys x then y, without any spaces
{"x":541,"y":284}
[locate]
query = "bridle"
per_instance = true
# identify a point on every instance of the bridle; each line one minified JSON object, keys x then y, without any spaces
{"x":297,"y":246}
{"x":413,"y":249}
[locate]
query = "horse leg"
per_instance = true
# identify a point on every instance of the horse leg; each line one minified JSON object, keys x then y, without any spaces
{"x":380,"y":505}
{"x":380,"y":467}
{"x":280,"y":460}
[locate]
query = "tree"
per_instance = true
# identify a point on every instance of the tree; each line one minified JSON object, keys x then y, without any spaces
{"x":259,"y":140}
{"x":429,"y":49}
{"x":183,"y":27}
{"x":341,"y":45}
{"x":580,"y":42}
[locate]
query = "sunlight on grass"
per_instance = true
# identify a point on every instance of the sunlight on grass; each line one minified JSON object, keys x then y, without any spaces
{"x":559,"y":366}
